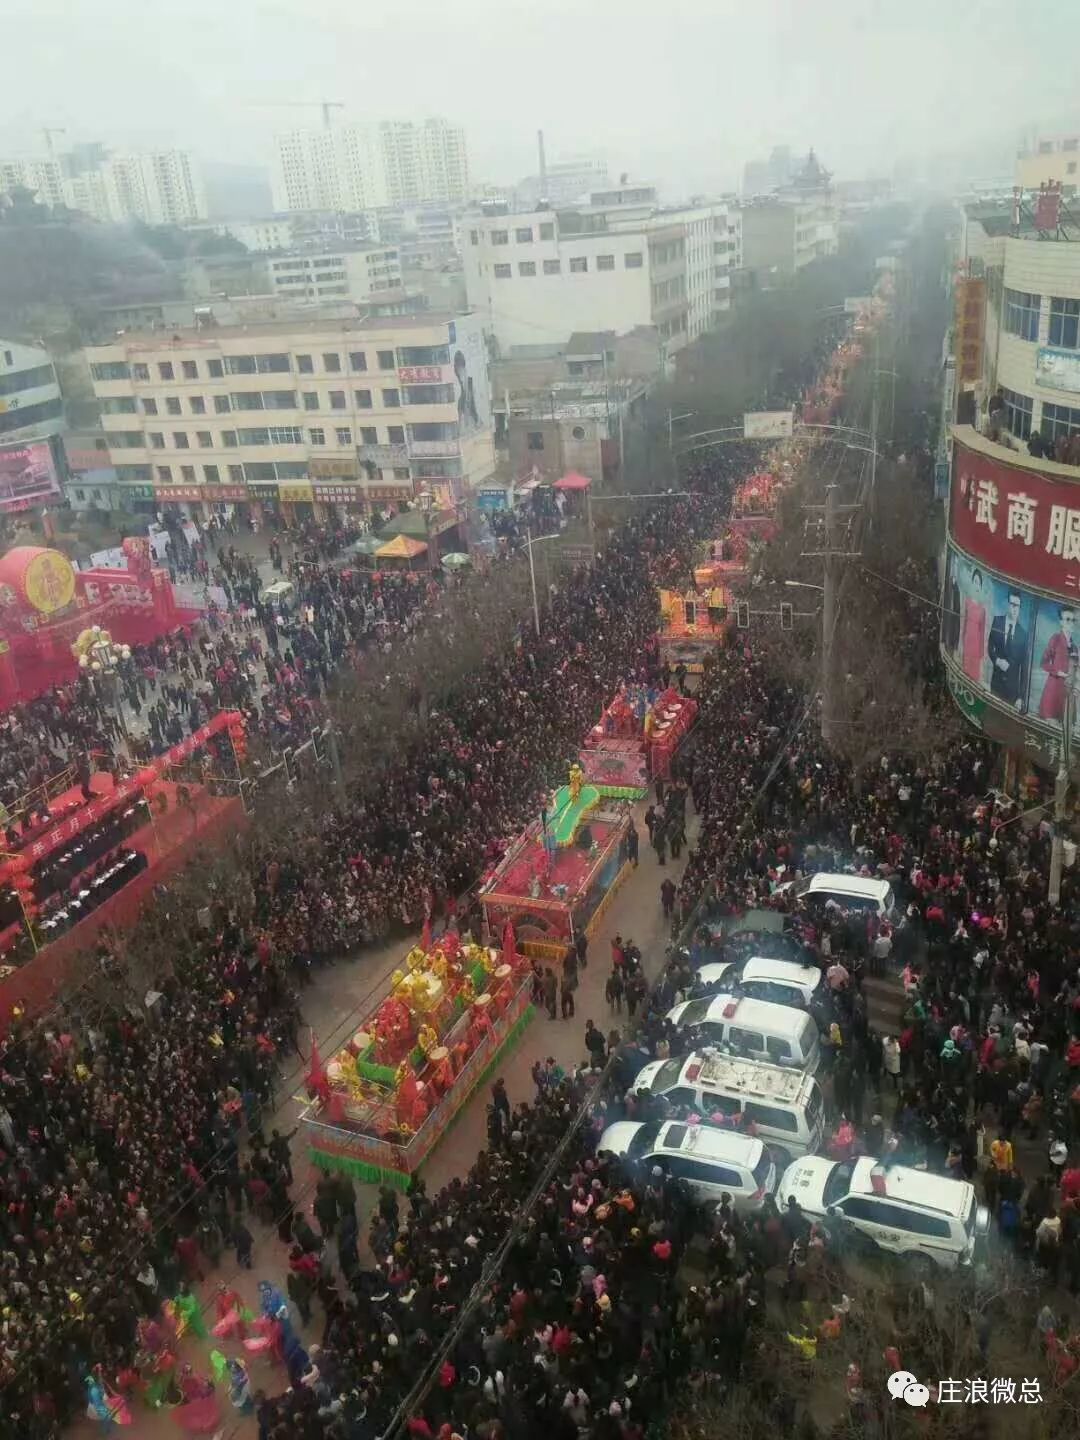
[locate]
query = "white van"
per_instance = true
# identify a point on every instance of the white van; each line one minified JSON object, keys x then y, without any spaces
{"x":850,"y":892}
{"x":760,"y":977}
{"x":755,"y":1029}
{"x":279,"y":594}
{"x":784,"y":1105}
{"x":926,"y":1219}
{"x":710,"y":1160}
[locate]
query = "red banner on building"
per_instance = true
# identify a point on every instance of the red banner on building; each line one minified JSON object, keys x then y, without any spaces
{"x":1017,"y":522}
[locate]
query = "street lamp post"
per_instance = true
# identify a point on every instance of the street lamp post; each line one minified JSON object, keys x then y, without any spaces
{"x":1061,"y":788}
{"x":102,"y":661}
{"x":529,"y":543}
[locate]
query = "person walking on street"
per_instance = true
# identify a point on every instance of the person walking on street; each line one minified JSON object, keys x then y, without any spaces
{"x":650,"y":821}
{"x":501,"y":1100}
{"x":581,"y":946}
{"x":244,"y":1242}
{"x":595,"y":1044}
{"x":613,"y":992}
{"x":632,"y":845}
{"x":551,"y":989}
{"x":660,"y":844}
{"x":667,"y":897}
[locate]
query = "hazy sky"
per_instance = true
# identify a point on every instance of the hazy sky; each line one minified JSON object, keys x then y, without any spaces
{"x":680,"y":91}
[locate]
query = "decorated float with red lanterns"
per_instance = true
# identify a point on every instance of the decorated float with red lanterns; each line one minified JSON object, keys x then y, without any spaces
{"x":381,"y":1104}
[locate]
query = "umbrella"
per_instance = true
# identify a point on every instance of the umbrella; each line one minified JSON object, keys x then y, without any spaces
{"x":455,"y":560}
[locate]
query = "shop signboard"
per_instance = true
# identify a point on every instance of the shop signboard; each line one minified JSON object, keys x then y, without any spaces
{"x":1058,"y":369}
{"x":1023,"y":523}
{"x":768,"y":424}
{"x":299,"y":492}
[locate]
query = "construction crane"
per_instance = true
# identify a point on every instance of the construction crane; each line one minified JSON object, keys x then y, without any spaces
{"x":49,"y":133}
{"x":324,"y":105}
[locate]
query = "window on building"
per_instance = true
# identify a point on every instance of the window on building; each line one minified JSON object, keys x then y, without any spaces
{"x":385,"y":359}
{"x":236,"y":474}
{"x":1064,"y":322}
{"x":1070,"y":168}
{"x":311,"y":400}
{"x":198,"y":404}
{"x":1017,"y":413}
{"x":357,"y":361}
{"x":221,"y":405}
{"x":114,"y":370}
{"x":547,"y":230}
{"x":474,"y":237}
{"x":1058,"y":420}
{"x":578,"y":432}
{"x":119,"y":405}
{"x":180,"y":441}
{"x":172,"y":404}
{"x":291,"y":470}
{"x":500,"y":237}
{"x":215,"y":369}
{"x":187,"y":472}
{"x":633,"y":260}
{"x":211,"y":474}
{"x":1071,"y":144}
{"x":396,"y":434}
{"x":205,"y":439}
{"x":1022,"y":314}
{"x":305,"y":364}
{"x":503,"y":272}
{"x":527,"y":268}
{"x":369,"y":435}
{"x":344,"y":435}
{"x":279,"y":399}
{"x":149,"y":407}
{"x":164,"y":472}
{"x":523,"y":235}
{"x":534,"y":440}
{"x":605,"y":262}
{"x":337,"y":399}
{"x":140,"y":372}
{"x":317,"y":436}
{"x":157,"y":440}
{"x":228,"y":439}
{"x":362,"y":399}
{"x":424,"y":355}
{"x":331,"y":362}
{"x":428,"y":394}
{"x":391,"y":399}
{"x":246,"y":400}
{"x":190,"y":369}
{"x":579,"y":264}
{"x":552,"y":267}
{"x":165,"y":369}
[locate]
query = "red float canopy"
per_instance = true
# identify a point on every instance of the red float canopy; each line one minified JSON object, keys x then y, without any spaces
{"x":572,"y":481}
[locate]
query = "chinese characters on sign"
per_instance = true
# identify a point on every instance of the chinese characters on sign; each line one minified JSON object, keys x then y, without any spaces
{"x":1016,"y":521}
{"x":970,"y":318}
{"x":420,"y":374}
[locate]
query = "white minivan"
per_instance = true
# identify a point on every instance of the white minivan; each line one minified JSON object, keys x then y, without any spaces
{"x":923,"y":1218}
{"x":784,"y":1106}
{"x":850,"y":892}
{"x":712,"y":1161}
{"x":760,"y":977}
{"x":755,"y":1029}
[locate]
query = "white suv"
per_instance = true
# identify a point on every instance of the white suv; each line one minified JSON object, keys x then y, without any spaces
{"x":924,"y":1218}
{"x":709,"y":1159}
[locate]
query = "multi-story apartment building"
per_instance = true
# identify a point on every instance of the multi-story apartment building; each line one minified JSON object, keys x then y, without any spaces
{"x":297,"y":414}
{"x":359,"y":275}
{"x":616,"y":263}
{"x":1050,"y":158}
{"x":368,"y":166}
{"x":161,"y":187}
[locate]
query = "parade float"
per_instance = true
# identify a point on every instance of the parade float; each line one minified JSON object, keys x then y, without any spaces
{"x":558,"y":878}
{"x":667,"y":725}
{"x":614,"y":756}
{"x":692,"y":624}
{"x":380,"y":1106}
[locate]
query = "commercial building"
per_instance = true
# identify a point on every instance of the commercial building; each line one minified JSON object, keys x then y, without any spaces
{"x":763,"y":177}
{"x":1012,"y":586}
{"x":618,"y":262}
{"x":159,"y":187}
{"x":366,"y":166}
{"x":788,"y":229}
{"x":1053,"y":158}
{"x":31,"y":422}
{"x":364,"y":411}
{"x":564,"y":182}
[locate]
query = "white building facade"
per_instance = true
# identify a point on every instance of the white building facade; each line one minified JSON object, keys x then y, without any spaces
{"x":538,"y":276}
{"x":369,"y":166}
{"x":159,"y":187}
{"x":359,"y":275}
{"x":361,"y":413}
{"x":31,"y":406}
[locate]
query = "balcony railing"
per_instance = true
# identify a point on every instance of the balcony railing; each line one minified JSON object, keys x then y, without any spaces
{"x":384,"y":454}
{"x":435,"y":449}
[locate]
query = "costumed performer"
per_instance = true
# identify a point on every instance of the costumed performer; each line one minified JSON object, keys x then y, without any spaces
{"x":108,"y":1409}
{"x":200,"y":1414}
{"x":188,"y":1313}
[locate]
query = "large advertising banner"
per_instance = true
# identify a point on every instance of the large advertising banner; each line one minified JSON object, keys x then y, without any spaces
{"x":1020,"y":522}
{"x":27,"y":475}
{"x":1016,"y":650}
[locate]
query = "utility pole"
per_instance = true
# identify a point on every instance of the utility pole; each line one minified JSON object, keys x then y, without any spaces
{"x":532,"y":582}
{"x":330,"y":731}
{"x":1061,"y":789}
{"x":832,"y":554}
